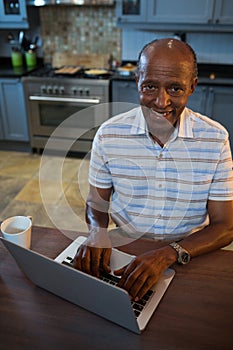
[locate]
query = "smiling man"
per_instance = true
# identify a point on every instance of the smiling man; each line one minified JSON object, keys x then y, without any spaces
{"x":162,"y":171}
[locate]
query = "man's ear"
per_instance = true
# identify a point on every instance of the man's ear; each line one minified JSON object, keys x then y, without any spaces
{"x":193,"y":85}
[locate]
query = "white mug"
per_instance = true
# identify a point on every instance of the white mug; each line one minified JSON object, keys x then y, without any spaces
{"x":17,"y":229}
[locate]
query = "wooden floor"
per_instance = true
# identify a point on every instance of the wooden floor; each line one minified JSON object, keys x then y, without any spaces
{"x":27,"y":189}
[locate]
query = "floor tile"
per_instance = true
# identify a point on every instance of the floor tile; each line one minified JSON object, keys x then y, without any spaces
{"x":9,"y":188}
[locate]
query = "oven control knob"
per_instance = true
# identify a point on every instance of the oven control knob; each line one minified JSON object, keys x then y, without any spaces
{"x":74,"y":90}
{"x":87,"y":92}
{"x":80,"y":91}
{"x":49,"y":89}
{"x":43,"y":89}
{"x":55,"y":89}
{"x":61,"y":90}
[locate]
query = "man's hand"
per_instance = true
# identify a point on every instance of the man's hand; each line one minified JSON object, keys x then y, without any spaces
{"x":145,"y":270}
{"x":92,"y":257}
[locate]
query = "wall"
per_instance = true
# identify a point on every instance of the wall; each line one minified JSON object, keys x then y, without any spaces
{"x":81,"y":30}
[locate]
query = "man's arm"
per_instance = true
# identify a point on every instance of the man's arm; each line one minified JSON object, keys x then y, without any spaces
{"x":145,"y":269}
{"x":217,"y":234}
{"x":96,"y":252}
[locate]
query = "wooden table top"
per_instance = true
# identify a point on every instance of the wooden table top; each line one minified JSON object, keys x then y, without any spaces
{"x":195,"y":313}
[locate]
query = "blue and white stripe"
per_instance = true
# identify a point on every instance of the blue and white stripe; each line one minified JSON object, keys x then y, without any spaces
{"x":162,"y":191}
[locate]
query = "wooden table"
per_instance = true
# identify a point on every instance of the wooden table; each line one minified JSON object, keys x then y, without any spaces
{"x":195,"y":313}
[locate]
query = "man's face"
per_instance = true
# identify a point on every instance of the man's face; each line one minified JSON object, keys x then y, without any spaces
{"x":164,"y":84}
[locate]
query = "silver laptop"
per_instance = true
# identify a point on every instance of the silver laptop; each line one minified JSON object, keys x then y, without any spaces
{"x":98,"y":295}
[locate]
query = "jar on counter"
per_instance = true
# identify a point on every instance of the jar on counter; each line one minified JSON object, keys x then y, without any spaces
{"x":16,"y":58}
{"x":30,"y":57}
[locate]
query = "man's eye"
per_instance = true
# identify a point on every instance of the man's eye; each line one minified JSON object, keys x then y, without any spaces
{"x":177,"y":90}
{"x":148,"y":88}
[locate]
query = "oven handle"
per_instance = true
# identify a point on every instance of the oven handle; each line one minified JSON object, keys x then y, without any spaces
{"x":64,"y":99}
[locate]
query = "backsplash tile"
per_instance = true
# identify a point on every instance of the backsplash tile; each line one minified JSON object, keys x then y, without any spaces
{"x":81,"y":30}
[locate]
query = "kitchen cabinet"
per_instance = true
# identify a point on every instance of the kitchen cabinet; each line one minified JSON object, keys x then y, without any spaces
{"x":131,"y":11}
{"x":13,"y":14}
{"x":182,"y":11}
{"x":179,"y":12}
{"x":216,"y":102}
{"x":223,"y":13}
{"x":13,"y":110}
{"x":124,"y":91}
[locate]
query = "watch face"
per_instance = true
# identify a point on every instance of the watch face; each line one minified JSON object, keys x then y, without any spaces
{"x":184,"y":258}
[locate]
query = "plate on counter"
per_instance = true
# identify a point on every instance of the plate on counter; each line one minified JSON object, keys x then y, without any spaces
{"x":97,"y":72}
{"x":68,"y":70}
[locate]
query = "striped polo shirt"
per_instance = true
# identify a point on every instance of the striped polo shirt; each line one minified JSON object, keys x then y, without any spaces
{"x":162,"y":191}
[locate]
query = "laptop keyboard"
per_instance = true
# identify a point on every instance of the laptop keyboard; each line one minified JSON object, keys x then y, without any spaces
{"x":108,"y":278}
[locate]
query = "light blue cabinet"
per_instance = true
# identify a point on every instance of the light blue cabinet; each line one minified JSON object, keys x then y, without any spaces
{"x":13,"y":111}
{"x":181,"y":12}
{"x":216,"y":102}
{"x":13,"y":14}
{"x":131,"y":11}
{"x":223,"y":13}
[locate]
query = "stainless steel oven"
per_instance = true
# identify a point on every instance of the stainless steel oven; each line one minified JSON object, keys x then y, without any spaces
{"x":50,"y":101}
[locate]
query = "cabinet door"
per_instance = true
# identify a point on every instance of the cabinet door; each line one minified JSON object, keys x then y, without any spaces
{"x":13,"y":110}
{"x":224,"y":12}
{"x":124,"y":91}
{"x":13,"y":14}
{"x":180,"y":11}
{"x":131,"y":10}
{"x":197,"y":101}
{"x":1,"y":122}
{"x":219,"y":107}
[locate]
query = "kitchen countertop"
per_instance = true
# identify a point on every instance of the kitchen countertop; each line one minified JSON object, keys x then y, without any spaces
{"x":207,"y":74}
{"x":8,"y":71}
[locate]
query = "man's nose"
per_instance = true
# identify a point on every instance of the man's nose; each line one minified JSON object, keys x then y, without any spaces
{"x":162,"y":98}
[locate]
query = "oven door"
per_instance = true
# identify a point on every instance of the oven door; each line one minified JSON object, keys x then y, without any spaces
{"x":47,"y":113}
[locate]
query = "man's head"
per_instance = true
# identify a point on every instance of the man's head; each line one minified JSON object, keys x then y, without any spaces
{"x":166,"y":77}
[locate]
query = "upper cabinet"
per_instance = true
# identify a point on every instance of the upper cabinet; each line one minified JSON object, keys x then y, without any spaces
{"x":223,"y":12}
{"x":131,"y":11}
{"x":179,"y":12}
{"x":13,"y":14}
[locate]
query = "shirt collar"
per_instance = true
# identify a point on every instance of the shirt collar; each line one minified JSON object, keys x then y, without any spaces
{"x":185,"y":129}
{"x":185,"y":124}
{"x":139,"y":126}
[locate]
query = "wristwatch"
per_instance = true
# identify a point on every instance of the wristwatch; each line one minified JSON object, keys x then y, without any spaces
{"x":183,"y":255}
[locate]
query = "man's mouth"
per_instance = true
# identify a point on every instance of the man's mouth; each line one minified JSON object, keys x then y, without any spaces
{"x":161,"y":114}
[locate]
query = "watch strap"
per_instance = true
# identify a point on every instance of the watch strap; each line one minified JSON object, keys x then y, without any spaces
{"x":181,"y":253}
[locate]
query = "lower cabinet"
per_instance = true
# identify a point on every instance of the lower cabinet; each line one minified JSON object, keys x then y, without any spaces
{"x":215,"y":102}
{"x":13,"y":111}
{"x":124,"y":91}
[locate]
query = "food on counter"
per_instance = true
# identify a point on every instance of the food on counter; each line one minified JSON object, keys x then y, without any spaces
{"x":68,"y":70}
{"x":127,"y":69}
{"x":96,"y":71}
